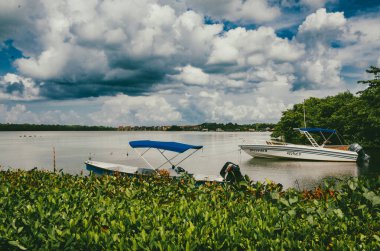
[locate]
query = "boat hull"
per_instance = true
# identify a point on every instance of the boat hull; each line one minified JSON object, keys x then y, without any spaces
{"x":299,"y":152}
{"x":101,"y":168}
{"x":111,"y":169}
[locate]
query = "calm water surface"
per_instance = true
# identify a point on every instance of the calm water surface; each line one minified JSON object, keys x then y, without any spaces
{"x":26,"y":150}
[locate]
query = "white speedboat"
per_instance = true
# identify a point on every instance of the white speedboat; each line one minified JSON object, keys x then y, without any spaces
{"x":315,"y":152}
{"x":229,"y":172}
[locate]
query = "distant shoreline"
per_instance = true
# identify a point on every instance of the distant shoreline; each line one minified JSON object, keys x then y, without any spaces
{"x":205,"y":127}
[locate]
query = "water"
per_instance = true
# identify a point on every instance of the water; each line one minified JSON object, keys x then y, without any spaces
{"x":26,"y":150}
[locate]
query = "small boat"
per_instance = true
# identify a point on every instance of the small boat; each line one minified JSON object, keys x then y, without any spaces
{"x":314,"y":152}
{"x":230,"y":172}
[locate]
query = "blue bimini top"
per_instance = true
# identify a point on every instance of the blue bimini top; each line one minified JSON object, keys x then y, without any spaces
{"x":163,"y":145}
{"x":317,"y":130}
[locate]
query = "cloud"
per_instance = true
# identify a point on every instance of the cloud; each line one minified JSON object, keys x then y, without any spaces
{"x":109,"y":47}
{"x":19,"y":114}
{"x":305,"y":4}
{"x":320,"y":72}
{"x":216,"y":106}
{"x":360,"y":42}
{"x":314,"y":3}
{"x":258,"y":11}
{"x":240,"y":48}
{"x":14,"y":87}
{"x":122,"y":109}
{"x":192,"y":76}
{"x":115,"y":46}
{"x":16,"y":114}
{"x":320,"y":67}
{"x":166,"y":62}
{"x":321,"y":27}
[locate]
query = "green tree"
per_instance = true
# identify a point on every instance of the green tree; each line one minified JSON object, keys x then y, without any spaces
{"x":370,"y":104}
{"x":357,"y":118}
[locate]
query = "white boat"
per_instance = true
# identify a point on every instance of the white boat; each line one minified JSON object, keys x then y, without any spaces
{"x":229,"y":172}
{"x":314,"y":152}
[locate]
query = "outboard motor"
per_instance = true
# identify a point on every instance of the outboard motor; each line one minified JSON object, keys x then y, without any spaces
{"x":178,"y":169}
{"x":231,"y":173}
{"x":362,"y":156}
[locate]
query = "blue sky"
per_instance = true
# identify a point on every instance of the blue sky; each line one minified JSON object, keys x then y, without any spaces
{"x":161,"y":62}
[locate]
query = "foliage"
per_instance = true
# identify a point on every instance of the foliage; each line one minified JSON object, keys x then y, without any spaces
{"x":174,"y":128}
{"x":33,"y":127}
{"x":209,"y":126}
{"x":373,"y":83}
{"x":357,"y":118}
{"x":49,"y":211}
{"x":235,"y":127}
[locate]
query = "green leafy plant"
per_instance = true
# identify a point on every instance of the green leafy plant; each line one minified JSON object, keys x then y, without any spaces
{"x":56,"y":211}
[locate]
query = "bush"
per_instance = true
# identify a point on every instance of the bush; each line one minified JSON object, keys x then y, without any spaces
{"x":49,"y":211}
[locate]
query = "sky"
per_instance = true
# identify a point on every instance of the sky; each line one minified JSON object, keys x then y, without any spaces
{"x":166,"y":62}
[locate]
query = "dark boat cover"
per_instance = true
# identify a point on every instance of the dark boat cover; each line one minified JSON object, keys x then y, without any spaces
{"x":317,"y":130}
{"x":163,"y":145}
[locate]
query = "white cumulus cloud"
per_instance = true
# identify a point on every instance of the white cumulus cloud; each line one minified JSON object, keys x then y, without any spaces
{"x":241,"y":11}
{"x":192,"y":76}
{"x":123,"y":109}
{"x":15,"y":87}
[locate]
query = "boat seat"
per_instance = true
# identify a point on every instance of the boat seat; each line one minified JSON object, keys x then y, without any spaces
{"x":338,"y":147}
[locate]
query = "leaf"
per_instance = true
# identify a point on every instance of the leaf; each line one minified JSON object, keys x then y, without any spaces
{"x":339,"y":213}
{"x":17,"y":244}
{"x":371,"y":196}
{"x":310,"y":219}
{"x":352,"y":184}
{"x":293,"y":200}
{"x":285,"y":202}
{"x":376,"y":237}
{"x":292,"y":212}
{"x":362,"y":206}
{"x":275,"y":195}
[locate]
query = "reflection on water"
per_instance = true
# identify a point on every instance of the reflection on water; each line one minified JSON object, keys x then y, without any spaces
{"x":299,"y":174}
{"x":26,"y":150}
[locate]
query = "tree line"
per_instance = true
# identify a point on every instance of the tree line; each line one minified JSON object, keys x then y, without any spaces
{"x":356,"y":117}
{"x":35,"y":127}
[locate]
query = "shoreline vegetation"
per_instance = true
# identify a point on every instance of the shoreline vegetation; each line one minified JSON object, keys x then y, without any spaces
{"x":218,"y":127}
{"x":57,"y":211}
{"x":355,"y":117}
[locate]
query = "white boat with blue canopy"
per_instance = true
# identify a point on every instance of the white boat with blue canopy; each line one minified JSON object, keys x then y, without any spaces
{"x":314,"y":151}
{"x":161,"y":146}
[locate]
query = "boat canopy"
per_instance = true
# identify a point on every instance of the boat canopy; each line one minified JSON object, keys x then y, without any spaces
{"x":163,"y":145}
{"x":317,"y":130}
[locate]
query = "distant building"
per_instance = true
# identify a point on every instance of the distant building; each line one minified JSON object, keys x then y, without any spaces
{"x":219,"y":130}
{"x":165,"y":128}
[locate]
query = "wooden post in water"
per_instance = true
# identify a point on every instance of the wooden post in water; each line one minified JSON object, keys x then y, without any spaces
{"x":54,"y":169}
